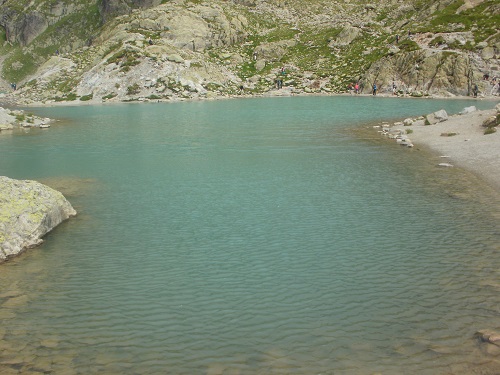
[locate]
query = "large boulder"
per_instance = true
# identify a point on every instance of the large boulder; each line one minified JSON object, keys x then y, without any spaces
{"x":345,"y":37}
{"x":28,"y":210}
{"x":438,"y":116}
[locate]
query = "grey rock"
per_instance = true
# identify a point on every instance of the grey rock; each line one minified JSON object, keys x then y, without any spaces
{"x":468,"y":110}
{"x":488,"y":53}
{"x":6,"y":127}
{"x":175,"y":58}
{"x":345,"y":37}
{"x":441,"y":115}
{"x":408,"y":122}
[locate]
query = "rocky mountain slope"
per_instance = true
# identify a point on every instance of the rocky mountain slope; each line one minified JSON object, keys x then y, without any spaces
{"x":121,"y":50}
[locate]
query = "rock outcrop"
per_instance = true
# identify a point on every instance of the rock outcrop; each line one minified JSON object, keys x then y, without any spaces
{"x":28,"y":211}
{"x":11,"y":119}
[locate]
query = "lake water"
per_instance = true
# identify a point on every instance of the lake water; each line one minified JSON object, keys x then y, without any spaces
{"x":255,"y":236}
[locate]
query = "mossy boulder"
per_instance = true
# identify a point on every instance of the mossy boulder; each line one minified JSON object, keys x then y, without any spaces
{"x":28,"y":211}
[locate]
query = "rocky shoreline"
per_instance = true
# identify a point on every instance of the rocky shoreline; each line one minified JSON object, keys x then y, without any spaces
{"x":9,"y":119}
{"x":469,"y":139}
{"x":29,"y":210}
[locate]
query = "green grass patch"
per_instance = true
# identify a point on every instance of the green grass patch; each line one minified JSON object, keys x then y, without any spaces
{"x":153,"y":35}
{"x":109,"y":96}
{"x":67,"y":98}
{"x":482,"y":20}
{"x":111,"y":49}
{"x":85,"y":98}
{"x":408,"y":45}
{"x":18,"y":65}
{"x":437,"y":41}
{"x":153,"y":97}
{"x":283,"y":32}
{"x":3,"y":36}
{"x":125,"y":59}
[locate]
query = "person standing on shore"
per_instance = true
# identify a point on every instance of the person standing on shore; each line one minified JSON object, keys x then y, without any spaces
{"x":374,"y":88}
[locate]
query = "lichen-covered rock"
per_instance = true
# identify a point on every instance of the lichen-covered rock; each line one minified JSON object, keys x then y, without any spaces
{"x":28,"y":210}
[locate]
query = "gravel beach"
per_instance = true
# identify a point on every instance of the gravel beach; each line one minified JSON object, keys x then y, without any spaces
{"x":468,"y":148}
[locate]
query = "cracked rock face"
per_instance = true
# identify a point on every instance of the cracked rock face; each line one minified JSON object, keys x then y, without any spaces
{"x":28,"y":210}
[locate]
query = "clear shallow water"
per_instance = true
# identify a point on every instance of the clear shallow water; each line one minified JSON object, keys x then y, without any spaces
{"x":249,"y":237}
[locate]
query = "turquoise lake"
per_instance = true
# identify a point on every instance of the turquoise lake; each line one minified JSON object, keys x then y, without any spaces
{"x":250,"y":236}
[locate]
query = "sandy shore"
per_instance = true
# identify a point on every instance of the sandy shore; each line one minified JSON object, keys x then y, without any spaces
{"x":470,"y":148}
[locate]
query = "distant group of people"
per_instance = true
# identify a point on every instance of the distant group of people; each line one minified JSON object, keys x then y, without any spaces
{"x":357,"y":88}
{"x":396,"y":38}
{"x":354,"y":87}
{"x":494,"y":83}
{"x":279,"y":79}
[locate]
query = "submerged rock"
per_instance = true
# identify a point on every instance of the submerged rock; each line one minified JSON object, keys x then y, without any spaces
{"x":28,"y":211}
{"x":445,"y":165}
{"x":488,"y":336}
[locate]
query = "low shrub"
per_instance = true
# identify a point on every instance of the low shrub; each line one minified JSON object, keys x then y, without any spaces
{"x":109,"y":96}
{"x":437,"y":41}
{"x":85,"y":98}
{"x":134,"y":89}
